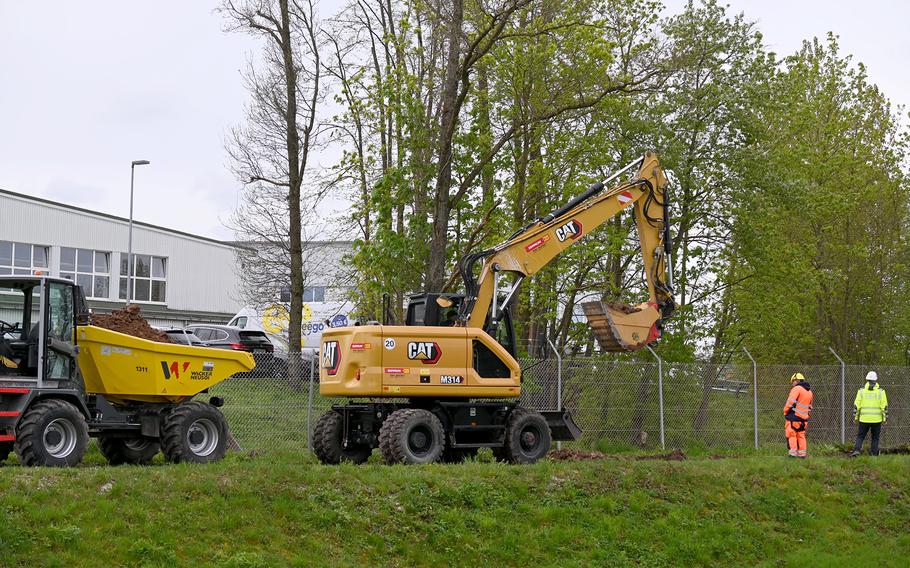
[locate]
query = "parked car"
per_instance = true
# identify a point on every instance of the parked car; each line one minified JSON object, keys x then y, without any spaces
{"x":229,"y":337}
{"x":183,"y":337}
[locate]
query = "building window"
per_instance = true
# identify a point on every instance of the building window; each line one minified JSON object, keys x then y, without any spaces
{"x":90,"y":269}
{"x":149,"y":277}
{"x":22,"y":258}
{"x":314,"y":293}
{"x":310,"y":294}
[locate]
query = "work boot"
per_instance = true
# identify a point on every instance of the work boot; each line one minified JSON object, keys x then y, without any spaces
{"x":854,"y":453}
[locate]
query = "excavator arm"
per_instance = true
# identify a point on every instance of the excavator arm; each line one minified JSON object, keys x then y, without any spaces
{"x":618,"y":327}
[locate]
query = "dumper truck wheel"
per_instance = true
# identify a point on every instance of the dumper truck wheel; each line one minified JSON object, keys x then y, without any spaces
{"x":5,"y":449}
{"x":327,"y":441}
{"x":194,"y":432}
{"x":52,"y":433}
{"x":527,"y":437}
{"x":135,"y":451}
{"x":411,"y":436}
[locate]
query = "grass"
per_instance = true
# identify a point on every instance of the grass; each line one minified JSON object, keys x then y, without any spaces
{"x":285,"y":510}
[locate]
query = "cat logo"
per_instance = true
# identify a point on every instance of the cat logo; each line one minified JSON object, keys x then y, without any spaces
{"x":427,"y":352}
{"x":570,"y":230}
{"x":331,"y":357}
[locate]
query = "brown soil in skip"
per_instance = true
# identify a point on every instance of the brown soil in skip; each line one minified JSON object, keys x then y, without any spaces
{"x":129,"y":321}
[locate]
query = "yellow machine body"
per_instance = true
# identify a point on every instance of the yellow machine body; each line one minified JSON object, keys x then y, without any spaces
{"x":394,"y":361}
{"x":126,"y":369}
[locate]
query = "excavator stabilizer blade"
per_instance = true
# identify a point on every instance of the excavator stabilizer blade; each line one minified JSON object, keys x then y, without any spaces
{"x":620,"y":327}
{"x":562,"y":427}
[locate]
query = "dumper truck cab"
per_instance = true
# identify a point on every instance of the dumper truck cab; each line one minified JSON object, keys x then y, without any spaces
{"x":63,"y":380}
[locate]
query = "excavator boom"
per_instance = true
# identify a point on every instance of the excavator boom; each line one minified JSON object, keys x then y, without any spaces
{"x":617,"y":327}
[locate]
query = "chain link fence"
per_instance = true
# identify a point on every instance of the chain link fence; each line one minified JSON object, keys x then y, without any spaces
{"x":618,"y":405}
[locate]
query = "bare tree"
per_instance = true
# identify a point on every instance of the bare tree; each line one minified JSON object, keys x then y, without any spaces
{"x":270,"y":152}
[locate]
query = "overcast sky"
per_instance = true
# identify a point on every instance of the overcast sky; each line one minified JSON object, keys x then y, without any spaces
{"x":87,"y":87}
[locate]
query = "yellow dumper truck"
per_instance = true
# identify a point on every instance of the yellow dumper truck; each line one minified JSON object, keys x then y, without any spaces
{"x":63,"y":380}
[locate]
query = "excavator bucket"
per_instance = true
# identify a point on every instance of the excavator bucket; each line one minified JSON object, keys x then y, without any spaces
{"x":620,"y":327}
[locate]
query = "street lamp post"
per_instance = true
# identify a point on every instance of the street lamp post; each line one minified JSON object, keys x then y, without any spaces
{"x":129,"y":267}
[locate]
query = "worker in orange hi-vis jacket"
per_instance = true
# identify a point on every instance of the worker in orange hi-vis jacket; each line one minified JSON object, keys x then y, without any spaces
{"x":796,"y":412}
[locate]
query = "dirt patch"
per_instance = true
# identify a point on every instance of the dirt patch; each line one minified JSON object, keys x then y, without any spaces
{"x":129,"y":321}
{"x":675,"y":455}
{"x":575,"y":455}
{"x":900,"y":450}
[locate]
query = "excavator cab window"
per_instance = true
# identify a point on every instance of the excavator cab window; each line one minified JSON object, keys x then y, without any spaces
{"x":425,"y":309}
{"x":487,"y":364}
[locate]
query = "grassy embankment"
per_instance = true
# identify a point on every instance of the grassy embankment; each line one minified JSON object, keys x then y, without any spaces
{"x":285,"y":510}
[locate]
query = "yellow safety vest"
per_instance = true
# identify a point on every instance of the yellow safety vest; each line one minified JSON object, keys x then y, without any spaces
{"x":871,"y":406}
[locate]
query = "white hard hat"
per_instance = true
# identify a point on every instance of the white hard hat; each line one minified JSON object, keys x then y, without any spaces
{"x":871,"y":376}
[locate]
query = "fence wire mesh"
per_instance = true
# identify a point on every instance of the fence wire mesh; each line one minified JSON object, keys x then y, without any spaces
{"x":616,"y":403}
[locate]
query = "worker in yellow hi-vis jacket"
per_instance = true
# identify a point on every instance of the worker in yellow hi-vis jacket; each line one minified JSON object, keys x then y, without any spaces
{"x":870,"y":409}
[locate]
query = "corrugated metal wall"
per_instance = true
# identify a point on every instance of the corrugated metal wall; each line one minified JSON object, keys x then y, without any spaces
{"x":200,"y":274}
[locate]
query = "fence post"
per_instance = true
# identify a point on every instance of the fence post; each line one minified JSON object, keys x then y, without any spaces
{"x":558,"y":382}
{"x":309,"y":406}
{"x":843,"y":410}
{"x":660,"y":395}
{"x":754,"y":394}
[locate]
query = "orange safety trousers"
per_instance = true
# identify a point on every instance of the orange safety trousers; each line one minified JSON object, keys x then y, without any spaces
{"x":796,"y":438}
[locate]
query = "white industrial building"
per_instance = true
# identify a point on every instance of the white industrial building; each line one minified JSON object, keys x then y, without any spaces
{"x":179,"y":277}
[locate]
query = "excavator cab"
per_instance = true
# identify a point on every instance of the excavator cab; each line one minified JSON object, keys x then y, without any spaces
{"x":442,"y":310}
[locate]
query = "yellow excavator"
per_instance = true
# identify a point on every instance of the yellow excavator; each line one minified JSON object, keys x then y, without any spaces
{"x":447,"y":382}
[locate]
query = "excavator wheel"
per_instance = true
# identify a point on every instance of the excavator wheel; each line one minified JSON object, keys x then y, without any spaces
{"x":51,"y":433}
{"x":5,"y":449}
{"x":527,"y":437}
{"x":194,"y":432}
{"x":411,"y":436}
{"x":327,"y":442}
{"x":136,"y":451}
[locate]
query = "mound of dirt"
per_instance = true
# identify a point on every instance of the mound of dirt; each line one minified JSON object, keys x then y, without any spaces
{"x":129,"y":321}
{"x":675,"y":455}
{"x":574,"y":455}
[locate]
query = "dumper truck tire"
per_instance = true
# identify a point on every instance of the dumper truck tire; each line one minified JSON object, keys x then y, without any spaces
{"x":194,"y":432}
{"x":133,"y":451}
{"x":411,"y":436}
{"x":51,"y":433}
{"x":5,"y":449}
{"x":327,"y":442}
{"x":527,"y":437}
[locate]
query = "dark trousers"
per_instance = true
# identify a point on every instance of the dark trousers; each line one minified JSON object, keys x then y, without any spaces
{"x":864,"y":427}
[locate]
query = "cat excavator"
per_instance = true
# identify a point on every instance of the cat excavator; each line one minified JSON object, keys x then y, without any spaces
{"x":447,"y":382}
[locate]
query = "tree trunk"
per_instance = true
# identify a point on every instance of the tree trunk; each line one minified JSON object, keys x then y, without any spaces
{"x":436,"y":265}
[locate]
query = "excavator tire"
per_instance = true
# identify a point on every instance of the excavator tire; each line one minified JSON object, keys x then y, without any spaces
{"x":5,"y":449}
{"x":51,"y":433}
{"x":134,"y":451}
{"x":527,"y":438}
{"x":412,"y":436}
{"x":194,"y":432}
{"x":327,"y":442}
